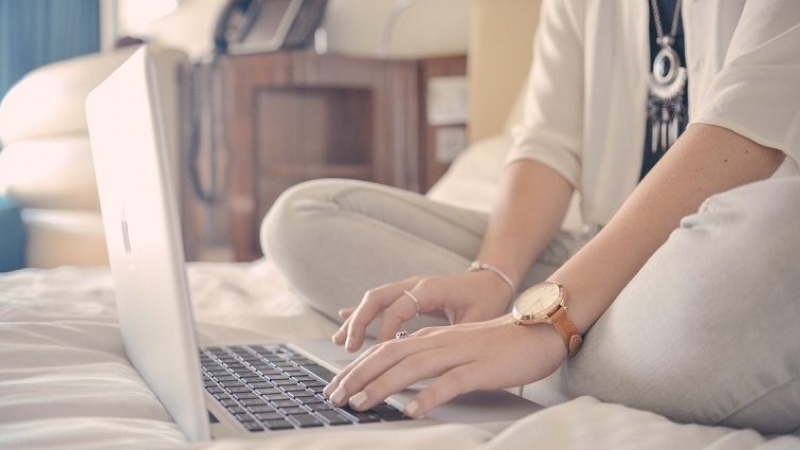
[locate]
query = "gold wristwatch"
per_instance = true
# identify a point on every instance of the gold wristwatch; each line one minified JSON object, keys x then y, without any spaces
{"x":544,"y":303}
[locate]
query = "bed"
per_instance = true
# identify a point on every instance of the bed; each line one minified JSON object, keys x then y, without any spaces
{"x":65,"y":381}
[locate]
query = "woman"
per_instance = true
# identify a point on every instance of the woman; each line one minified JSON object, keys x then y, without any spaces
{"x":690,"y":285}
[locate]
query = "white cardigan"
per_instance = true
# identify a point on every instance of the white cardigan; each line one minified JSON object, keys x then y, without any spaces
{"x":587,"y":90}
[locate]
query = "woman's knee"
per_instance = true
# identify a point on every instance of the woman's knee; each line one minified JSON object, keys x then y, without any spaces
{"x":707,"y":331}
{"x":289,"y":222}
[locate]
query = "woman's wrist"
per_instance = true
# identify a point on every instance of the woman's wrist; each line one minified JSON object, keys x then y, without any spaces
{"x":543,"y":338}
{"x":494,"y":289}
{"x":477,"y":265}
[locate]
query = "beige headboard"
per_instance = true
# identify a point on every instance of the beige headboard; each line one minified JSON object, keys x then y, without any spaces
{"x":501,"y":37}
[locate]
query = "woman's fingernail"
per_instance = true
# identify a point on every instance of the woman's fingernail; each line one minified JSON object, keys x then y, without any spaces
{"x":338,"y":397}
{"x":357,"y":400}
{"x":411,"y":408}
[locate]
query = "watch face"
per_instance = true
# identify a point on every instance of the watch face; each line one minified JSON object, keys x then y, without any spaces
{"x":538,"y":302}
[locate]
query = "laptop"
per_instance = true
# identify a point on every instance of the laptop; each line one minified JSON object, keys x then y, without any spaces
{"x":261,"y":390}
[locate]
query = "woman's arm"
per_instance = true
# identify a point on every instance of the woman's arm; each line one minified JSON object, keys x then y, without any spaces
{"x":705,"y":160}
{"x":535,"y":200}
{"x":499,"y":354}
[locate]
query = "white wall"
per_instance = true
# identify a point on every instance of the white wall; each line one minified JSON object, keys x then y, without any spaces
{"x":420,"y":27}
{"x":354,"y":27}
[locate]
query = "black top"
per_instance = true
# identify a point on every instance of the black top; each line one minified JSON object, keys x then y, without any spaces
{"x":666,"y":9}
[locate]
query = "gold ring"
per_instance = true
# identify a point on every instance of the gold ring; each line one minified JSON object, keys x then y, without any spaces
{"x":413,"y":299}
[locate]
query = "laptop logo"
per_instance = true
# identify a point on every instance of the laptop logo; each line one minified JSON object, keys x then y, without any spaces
{"x":126,"y":240}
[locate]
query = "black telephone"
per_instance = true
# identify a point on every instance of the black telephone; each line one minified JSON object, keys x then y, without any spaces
{"x":253,"y":26}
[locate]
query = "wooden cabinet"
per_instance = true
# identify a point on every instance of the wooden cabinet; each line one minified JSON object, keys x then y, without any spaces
{"x":433,"y":163}
{"x":294,"y":116}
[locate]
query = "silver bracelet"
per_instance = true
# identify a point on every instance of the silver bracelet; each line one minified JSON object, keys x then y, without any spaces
{"x":478,"y":265}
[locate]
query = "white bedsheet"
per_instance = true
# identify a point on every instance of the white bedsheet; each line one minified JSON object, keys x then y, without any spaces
{"x":65,"y":381}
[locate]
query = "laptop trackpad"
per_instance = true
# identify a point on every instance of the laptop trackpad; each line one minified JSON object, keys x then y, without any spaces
{"x":478,"y":407}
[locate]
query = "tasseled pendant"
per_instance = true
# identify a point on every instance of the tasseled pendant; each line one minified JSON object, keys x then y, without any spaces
{"x":666,"y":110}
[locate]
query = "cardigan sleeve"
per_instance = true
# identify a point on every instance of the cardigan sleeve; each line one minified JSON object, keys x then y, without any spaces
{"x":551,"y":128}
{"x":757,"y":91}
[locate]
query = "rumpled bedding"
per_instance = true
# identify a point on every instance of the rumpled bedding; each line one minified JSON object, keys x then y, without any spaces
{"x":65,"y":382}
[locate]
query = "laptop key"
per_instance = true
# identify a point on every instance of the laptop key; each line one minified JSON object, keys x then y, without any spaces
{"x":388,"y":412}
{"x":235,"y":409}
{"x":290,"y":411}
{"x":334,"y":418}
{"x":279,"y":376}
{"x":275,"y":425}
{"x":306,"y":420}
{"x":318,"y":406}
{"x":294,"y":388}
{"x":238,"y":389}
{"x":267,"y":416}
{"x":302,"y":394}
{"x":245,"y":395}
{"x":253,"y":402}
{"x":319,"y":371}
{"x":284,"y":403}
{"x":365,"y":416}
{"x":269,"y":373}
{"x":268,"y":391}
{"x":260,"y":409}
{"x":244,"y":417}
{"x":252,"y":426}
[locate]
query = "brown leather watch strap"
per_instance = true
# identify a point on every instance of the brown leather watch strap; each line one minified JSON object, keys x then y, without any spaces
{"x":569,"y":333}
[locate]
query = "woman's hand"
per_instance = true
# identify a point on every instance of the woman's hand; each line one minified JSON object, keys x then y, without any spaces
{"x":462,"y":358}
{"x":462,"y":298}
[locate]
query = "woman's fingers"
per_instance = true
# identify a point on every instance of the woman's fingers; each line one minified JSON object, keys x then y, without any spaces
{"x":456,"y":381}
{"x":345,"y":313}
{"x":389,"y":368}
{"x":460,"y":298}
{"x":387,"y":301}
{"x":334,"y":383}
{"x":403,"y":309}
{"x":373,"y":304}
{"x":400,"y":302}
{"x":341,"y":334}
{"x":419,"y":366}
{"x":459,"y":358}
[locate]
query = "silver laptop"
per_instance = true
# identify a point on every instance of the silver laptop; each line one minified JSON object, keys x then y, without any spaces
{"x":265,"y":389}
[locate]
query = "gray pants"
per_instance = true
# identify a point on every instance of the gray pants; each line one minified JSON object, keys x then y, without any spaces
{"x":708,"y":331}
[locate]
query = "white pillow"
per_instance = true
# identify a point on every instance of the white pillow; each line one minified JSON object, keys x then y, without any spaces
{"x":472,"y":180}
{"x":55,"y":172}
{"x":388,"y":28}
{"x":50,"y":100}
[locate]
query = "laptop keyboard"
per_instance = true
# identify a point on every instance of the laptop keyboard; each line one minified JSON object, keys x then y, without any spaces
{"x":274,"y":388}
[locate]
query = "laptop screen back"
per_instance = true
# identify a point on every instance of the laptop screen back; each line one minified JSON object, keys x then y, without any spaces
{"x":140,"y":218}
